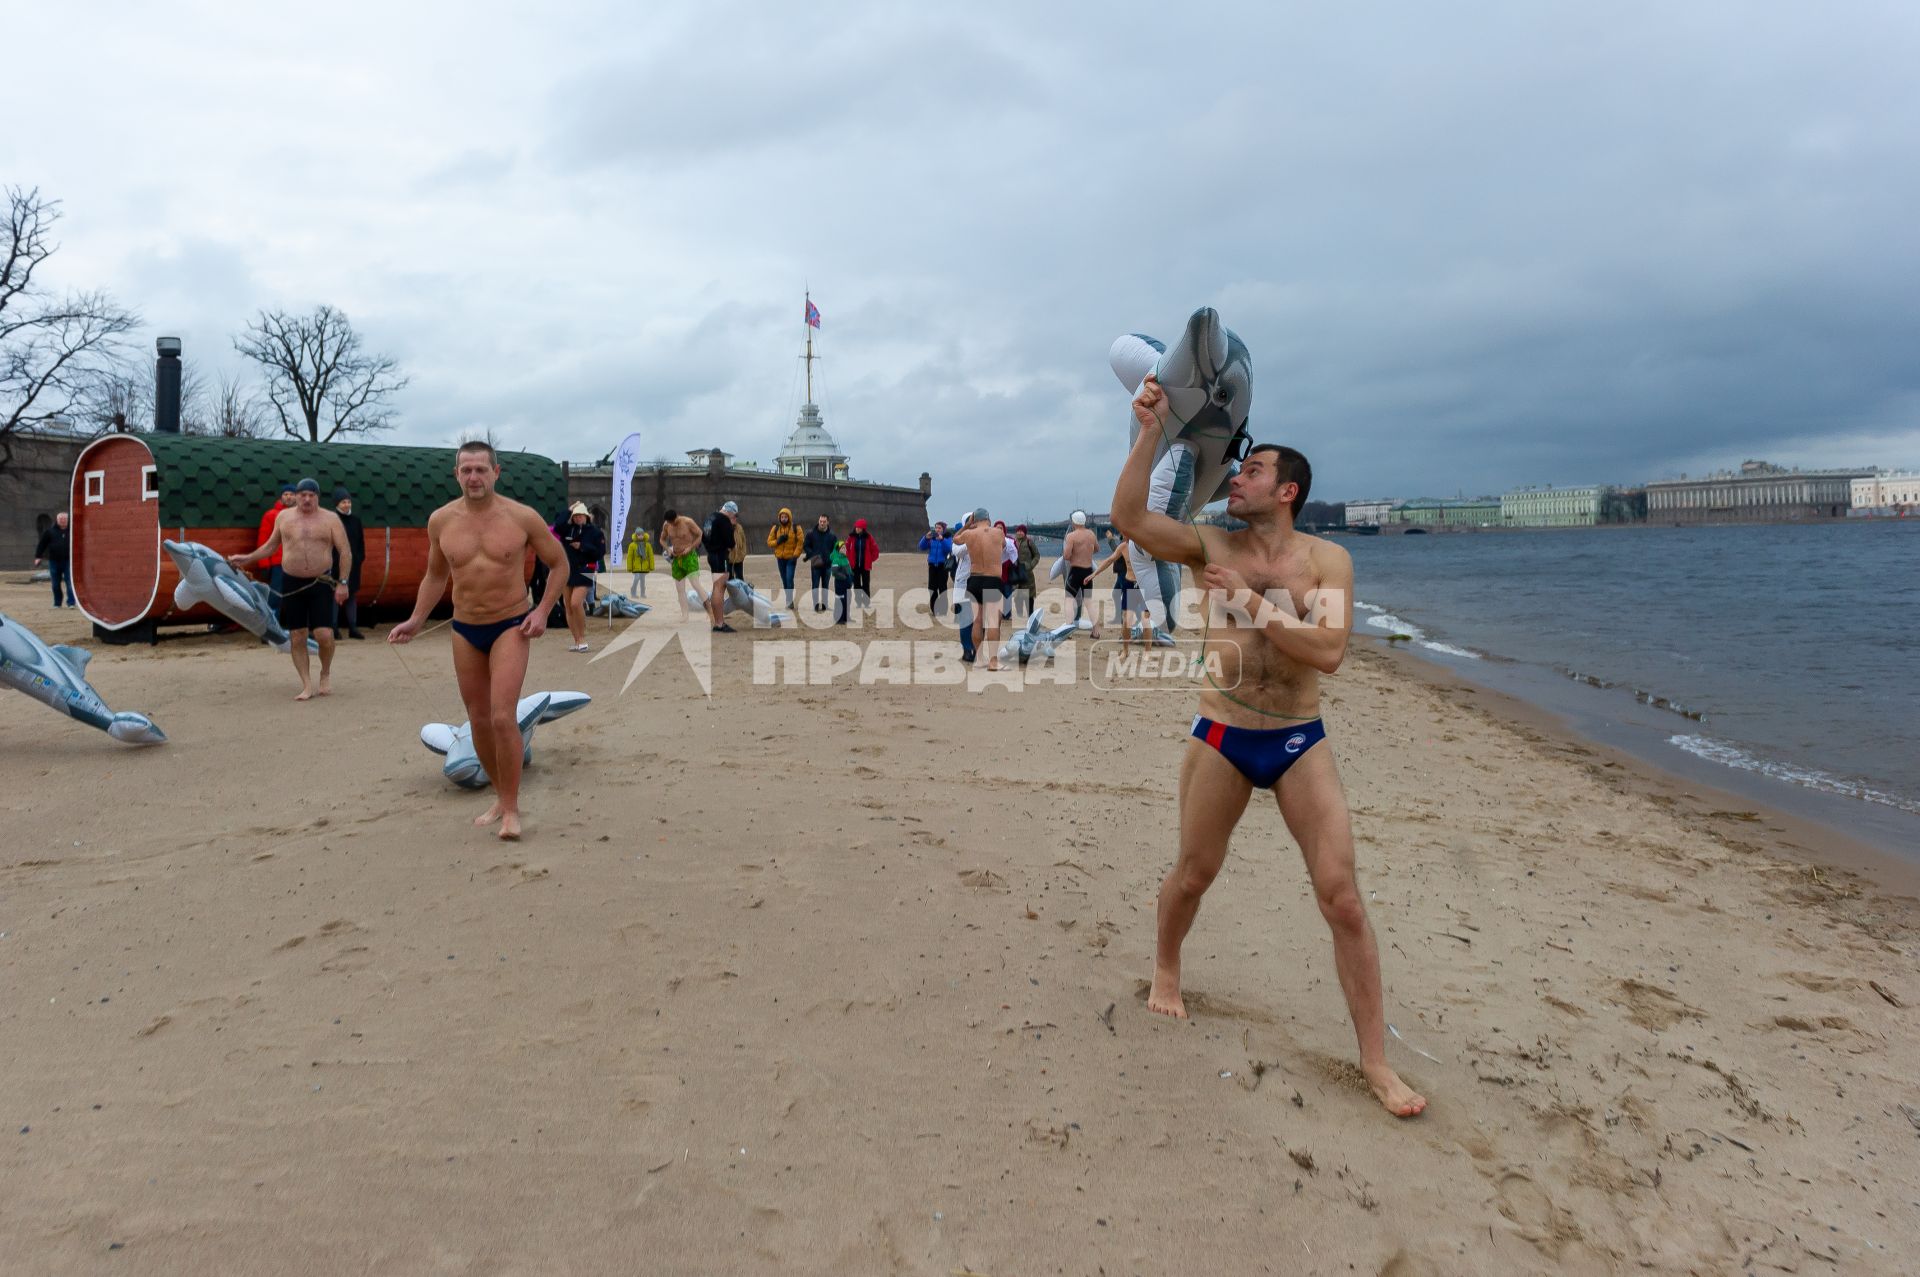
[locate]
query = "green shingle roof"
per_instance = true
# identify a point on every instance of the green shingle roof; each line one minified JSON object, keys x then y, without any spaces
{"x":228,"y":483}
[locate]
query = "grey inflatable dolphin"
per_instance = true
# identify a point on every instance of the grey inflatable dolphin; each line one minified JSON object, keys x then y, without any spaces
{"x":206,"y":577}
{"x":619,"y":605}
{"x":463,"y":764}
{"x":1035,"y":640}
{"x":1208,"y":379}
{"x":56,"y":676}
{"x":742,"y":597}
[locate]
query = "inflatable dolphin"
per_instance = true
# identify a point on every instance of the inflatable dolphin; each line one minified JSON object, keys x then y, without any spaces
{"x":1034,"y":640}
{"x":1208,"y":379}
{"x":619,"y":605}
{"x":463,"y":764}
{"x":56,"y":676}
{"x":206,"y":577}
{"x":742,"y":597}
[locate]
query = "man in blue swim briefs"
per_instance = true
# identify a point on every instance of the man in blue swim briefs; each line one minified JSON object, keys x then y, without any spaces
{"x":1259,"y":724}
{"x":479,"y":541}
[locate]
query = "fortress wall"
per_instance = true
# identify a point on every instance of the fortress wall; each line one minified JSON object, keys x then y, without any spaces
{"x":896,"y":516}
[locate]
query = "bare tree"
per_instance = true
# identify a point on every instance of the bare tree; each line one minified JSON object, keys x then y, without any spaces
{"x":233,"y":411}
{"x":54,"y":351}
{"x":320,"y":381}
{"x":122,"y":398}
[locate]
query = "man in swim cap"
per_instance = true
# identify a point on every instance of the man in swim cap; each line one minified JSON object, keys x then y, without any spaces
{"x":1079,"y":551}
{"x":307,"y":539}
{"x":1259,"y":722}
{"x":986,"y":548}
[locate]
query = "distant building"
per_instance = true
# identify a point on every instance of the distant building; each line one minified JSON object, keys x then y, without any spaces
{"x":1891,"y":492}
{"x":1552,"y":507}
{"x":1370,"y":513}
{"x":811,"y":452}
{"x":1429,"y":512}
{"x":1759,"y":493}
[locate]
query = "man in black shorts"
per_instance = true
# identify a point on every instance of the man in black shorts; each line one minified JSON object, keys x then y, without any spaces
{"x":308,"y":539}
{"x":986,"y":548}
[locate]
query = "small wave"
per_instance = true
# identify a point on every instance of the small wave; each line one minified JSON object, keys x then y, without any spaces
{"x":1653,"y":699}
{"x":1726,"y":755}
{"x":1384,"y":620}
{"x":1368,"y":607}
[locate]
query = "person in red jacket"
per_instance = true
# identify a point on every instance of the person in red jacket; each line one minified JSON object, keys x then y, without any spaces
{"x":862,"y":552}
{"x":271,"y":564}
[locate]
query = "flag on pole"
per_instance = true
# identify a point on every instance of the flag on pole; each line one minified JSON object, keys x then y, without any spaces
{"x":625,"y":458}
{"x":813,"y":314}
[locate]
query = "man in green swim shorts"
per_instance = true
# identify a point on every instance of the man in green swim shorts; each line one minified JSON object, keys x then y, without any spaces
{"x":681,"y":535}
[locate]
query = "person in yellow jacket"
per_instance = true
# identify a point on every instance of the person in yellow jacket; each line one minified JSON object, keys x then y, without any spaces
{"x":784,"y":539}
{"x":639,"y":561}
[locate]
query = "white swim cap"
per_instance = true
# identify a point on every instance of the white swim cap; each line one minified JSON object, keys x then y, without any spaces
{"x":1079,"y":518}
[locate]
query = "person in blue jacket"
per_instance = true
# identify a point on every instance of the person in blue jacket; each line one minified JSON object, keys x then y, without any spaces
{"x":938,"y":547}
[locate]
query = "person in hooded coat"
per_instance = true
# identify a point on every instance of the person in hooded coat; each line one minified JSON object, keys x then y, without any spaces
{"x":639,"y":561}
{"x":862,"y":553}
{"x":784,"y":539}
{"x":347,"y":615}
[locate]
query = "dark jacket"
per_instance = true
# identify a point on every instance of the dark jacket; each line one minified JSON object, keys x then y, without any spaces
{"x":719,"y":536}
{"x":53,"y":544}
{"x":819,"y":546}
{"x":585,"y":545}
{"x":357,"y":542}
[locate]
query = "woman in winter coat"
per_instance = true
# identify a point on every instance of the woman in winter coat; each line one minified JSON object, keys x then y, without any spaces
{"x":843,"y":578}
{"x":862,"y":553}
{"x":737,"y":556}
{"x":784,"y":539}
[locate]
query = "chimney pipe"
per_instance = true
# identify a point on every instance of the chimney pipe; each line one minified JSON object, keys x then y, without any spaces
{"x":166,"y":386}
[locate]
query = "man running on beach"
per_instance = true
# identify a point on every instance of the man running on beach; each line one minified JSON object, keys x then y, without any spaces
{"x":1267,"y":734}
{"x":986,"y":548}
{"x":307,"y":538}
{"x":479,"y":541}
{"x":682,"y":537}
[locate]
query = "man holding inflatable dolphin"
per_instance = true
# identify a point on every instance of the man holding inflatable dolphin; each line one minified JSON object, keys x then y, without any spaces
{"x":479,"y":542}
{"x":1266,"y":733}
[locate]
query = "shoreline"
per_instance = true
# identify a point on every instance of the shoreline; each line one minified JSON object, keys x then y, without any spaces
{"x":1720,"y":811}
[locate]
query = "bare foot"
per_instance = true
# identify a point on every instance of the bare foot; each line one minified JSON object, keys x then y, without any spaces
{"x":1164,"y":996}
{"x":993,"y":665}
{"x":306,"y":694}
{"x":490,"y":815}
{"x":1400,"y":1099}
{"x":510,"y":832}
{"x":325,"y":686}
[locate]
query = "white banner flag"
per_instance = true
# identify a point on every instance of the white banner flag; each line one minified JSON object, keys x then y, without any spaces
{"x":625,"y":458}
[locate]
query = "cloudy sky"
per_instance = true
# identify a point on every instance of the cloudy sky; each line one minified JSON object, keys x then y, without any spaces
{"x":1543,"y":243}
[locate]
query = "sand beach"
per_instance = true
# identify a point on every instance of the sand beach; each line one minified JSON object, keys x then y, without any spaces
{"x":850,"y":979}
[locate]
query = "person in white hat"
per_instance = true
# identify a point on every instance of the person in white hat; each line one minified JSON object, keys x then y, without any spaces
{"x":585,"y":545}
{"x":1080,"y":547}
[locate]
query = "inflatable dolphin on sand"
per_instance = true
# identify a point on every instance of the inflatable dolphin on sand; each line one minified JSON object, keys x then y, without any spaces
{"x":1208,"y":379}
{"x":56,"y":676}
{"x":1034,"y":640}
{"x":206,"y":577}
{"x":619,"y":605}
{"x":463,"y":764}
{"x":742,"y":597}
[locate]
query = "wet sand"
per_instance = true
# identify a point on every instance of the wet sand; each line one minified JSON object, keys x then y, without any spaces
{"x":851,"y":979}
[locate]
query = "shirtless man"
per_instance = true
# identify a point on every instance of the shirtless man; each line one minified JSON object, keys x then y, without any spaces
{"x":1268,"y":735}
{"x":986,"y":548}
{"x":307,"y":538}
{"x":682,"y":537}
{"x":1078,"y":550}
{"x":480,"y":541}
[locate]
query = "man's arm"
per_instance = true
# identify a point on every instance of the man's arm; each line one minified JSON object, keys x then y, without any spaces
{"x":1165,"y":539}
{"x":1319,"y":639}
{"x":267,"y":547}
{"x":547,"y":547}
{"x":432,"y":585}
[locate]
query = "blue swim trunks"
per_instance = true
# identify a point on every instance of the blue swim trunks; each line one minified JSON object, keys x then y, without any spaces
{"x":1260,"y":754}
